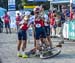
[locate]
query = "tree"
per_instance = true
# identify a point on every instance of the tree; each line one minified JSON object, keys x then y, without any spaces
{"x":4,"y":4}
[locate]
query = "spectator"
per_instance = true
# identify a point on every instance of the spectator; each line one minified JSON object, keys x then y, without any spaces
{"x":1,"y":25}
{"x":71,"y":15}
{"x":52,"y":23}
{"x":57,"y":21}
{"x":74,"y":15}
{"x":18,"y":20}
{"x":67,"y":15}
{"x":62,"y":20}
{"x":7,"y":22}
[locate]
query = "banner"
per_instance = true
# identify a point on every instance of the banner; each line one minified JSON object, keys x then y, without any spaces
{"x":12,"y":15}
{"x":71,"y":30}
{"x":29,"y":6}
{"x":65,"y":30}
{"x":11,"y":5}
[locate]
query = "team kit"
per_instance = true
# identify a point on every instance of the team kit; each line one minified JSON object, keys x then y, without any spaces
{"x":40,"y":23}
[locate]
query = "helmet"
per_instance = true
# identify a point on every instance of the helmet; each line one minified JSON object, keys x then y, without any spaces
{"x":37,"y":9}
{"x":27,"y":13}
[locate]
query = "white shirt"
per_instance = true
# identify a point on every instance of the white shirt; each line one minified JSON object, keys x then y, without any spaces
{"x":46,"y":19}
{"x":31,"y":20}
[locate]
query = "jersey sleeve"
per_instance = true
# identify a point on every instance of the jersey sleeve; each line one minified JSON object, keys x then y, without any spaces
{"x":46,"y":18}
{"x":21,"y":22}
{"x":31,"y":20}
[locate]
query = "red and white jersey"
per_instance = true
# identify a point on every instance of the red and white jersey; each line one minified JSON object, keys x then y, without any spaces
{"x":38,"y":23}
{"x":6,"y":18}
{"x":18,"y":20}
{"x":52,"y":20}
{"x":71,"y":15}
{"x":24,"y":26}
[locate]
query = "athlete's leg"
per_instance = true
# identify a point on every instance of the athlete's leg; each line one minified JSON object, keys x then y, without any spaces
{"x":37,"y":39}
{"x":24,"y":41}
{"x":45,"y":41}
{"x":24,"y":38}
{"x":42,"y":41}
{"x":49,"y":40}
{"x":38,"y":44}
{"x":45,"y":33}
{"x":37,"y":47}
{"x":62,"y":38}
{"x":9,"y":28}
{"x":34,"y":35}
{"x":34,"y":42}
{"x":19,"y":43}
{"x":23,"y":45}
{"x":55,"y":26}
{"x":6,"y":30}
{"x":37,"y":36}
{"x":6,"y":27}
{"x":17,"y":27}
{"x":48,"y":35}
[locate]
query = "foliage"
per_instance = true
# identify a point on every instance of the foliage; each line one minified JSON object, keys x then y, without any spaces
{"x":4,"y":4}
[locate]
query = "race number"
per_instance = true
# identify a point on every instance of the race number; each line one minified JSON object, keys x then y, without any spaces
{"x":38,"y":25}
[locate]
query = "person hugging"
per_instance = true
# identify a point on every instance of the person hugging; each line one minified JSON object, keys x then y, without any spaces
{"x":22,"y":38}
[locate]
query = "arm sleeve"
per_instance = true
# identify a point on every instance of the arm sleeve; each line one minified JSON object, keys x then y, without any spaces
{"x":31,"y":21}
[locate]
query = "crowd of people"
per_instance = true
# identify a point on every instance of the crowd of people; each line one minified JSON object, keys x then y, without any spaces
{"x":44,"y":26}
{"x":5,"y":20}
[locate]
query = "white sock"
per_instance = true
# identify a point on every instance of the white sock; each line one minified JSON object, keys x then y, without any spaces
{"x":23,"y":53}
{"x":37,"y":52}
{"x":19,"y":52}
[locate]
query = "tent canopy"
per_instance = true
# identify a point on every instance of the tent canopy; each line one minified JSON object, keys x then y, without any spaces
{"x":2,"y":11}
{"x":59,"y":2}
